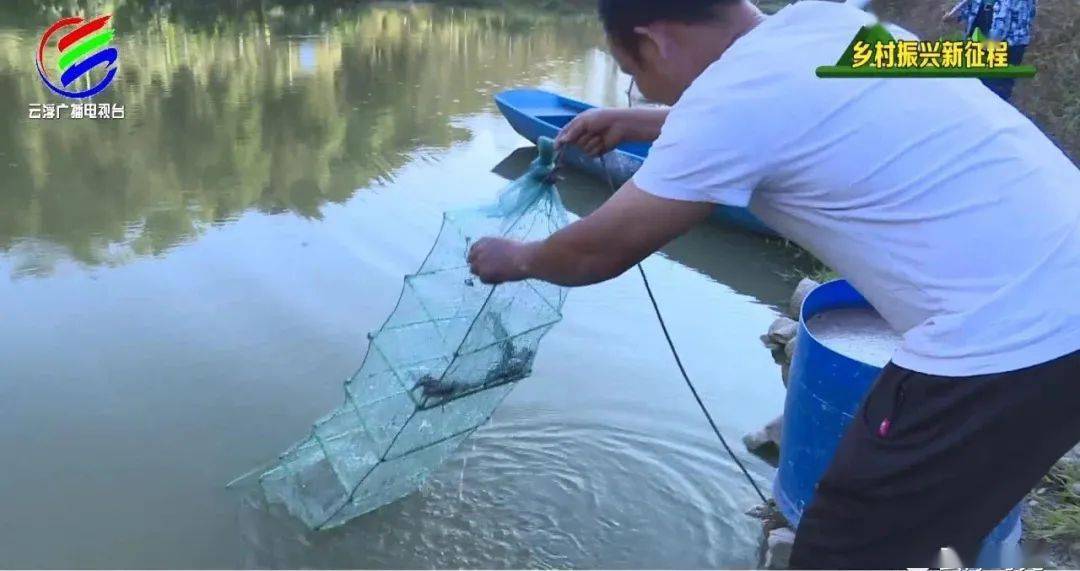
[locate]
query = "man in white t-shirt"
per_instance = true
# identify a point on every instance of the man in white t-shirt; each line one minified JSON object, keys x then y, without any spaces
{"x":943,"y":205}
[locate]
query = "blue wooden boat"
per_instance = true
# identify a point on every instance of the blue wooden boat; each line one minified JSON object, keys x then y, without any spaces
{"x":535,"y":113}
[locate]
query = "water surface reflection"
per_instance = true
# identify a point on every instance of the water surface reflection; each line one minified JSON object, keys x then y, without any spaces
{"x":183,"y":292}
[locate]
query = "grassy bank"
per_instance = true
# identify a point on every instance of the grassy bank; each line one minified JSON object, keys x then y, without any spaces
{"x":1053,"y":521}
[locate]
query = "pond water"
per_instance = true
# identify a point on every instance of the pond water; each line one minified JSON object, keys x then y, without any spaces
{"x":183,"y":291}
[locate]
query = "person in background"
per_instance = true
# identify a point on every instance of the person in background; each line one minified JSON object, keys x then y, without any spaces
{"x":999,"y":20}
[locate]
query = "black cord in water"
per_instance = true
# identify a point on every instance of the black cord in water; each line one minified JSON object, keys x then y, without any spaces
{"x":674,"y":350}
{"x":693,"y":390}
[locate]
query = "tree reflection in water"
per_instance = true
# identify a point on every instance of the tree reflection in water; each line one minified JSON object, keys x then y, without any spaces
{"x":267,"y":106}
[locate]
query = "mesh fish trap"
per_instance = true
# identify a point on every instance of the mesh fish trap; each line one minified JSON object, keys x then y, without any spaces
{"x":449,"y":353}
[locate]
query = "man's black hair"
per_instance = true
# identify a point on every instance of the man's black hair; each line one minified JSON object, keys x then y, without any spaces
{"x":620,"y":17}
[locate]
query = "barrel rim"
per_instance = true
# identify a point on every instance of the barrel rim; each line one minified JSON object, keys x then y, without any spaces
{"x":838,"y":288}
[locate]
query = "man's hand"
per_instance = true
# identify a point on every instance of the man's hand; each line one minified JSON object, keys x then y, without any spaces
{"x":622,"y":232}
{"x":498,"y":260}
{"x":596,"y":131}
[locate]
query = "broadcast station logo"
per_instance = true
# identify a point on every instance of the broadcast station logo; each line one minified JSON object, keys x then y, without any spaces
{"x":80,"y":50}
{"x":69,"y":53}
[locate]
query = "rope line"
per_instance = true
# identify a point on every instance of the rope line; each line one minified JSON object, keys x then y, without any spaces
{"x":693,"y":390}
{"x":671,"y":342}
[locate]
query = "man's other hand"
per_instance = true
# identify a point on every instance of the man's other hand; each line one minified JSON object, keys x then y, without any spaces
{"x":596,"y":131}
{"x":497,"y":260}
{"x":622,"y":232}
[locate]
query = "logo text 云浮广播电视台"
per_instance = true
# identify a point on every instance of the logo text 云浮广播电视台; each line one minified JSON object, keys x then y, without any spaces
{"x":68,"y":54}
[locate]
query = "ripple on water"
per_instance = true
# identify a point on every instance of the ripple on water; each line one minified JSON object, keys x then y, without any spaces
{"x":542,"y":492}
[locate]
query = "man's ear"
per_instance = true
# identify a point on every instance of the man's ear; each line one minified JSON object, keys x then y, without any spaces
{"x":656,"y":34}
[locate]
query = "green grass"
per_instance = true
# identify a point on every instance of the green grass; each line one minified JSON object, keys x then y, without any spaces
{"x":1057,"y":516}
{"x":805,"y":264}
{"x":823,"y":274}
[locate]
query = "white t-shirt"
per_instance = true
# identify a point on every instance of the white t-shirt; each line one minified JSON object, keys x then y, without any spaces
{"x":943,"y":205}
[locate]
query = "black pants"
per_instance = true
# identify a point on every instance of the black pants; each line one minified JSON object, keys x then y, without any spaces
{"x":1003,"y":87}
{"x":935,"y":461}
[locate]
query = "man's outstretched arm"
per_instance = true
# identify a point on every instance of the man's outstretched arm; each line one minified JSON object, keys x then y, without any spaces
{"x":629,"y":227}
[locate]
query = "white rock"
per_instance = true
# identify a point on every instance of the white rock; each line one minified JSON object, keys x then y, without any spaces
{"x":770,"y":435}
{"x":948,"y":558}
{"x":760,"y":511}
{"x":789,"y":349}
{"x":780,"y":332}
{"x":778,"y":548}
{"x":801,"y":291}
{"x":1076,"y":488}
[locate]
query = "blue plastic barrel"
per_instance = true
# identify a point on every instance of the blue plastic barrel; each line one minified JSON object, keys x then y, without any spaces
{"x":825,"y":390}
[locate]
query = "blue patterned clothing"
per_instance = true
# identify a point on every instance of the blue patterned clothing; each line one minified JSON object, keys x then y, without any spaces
{"x":1012,"y":19}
